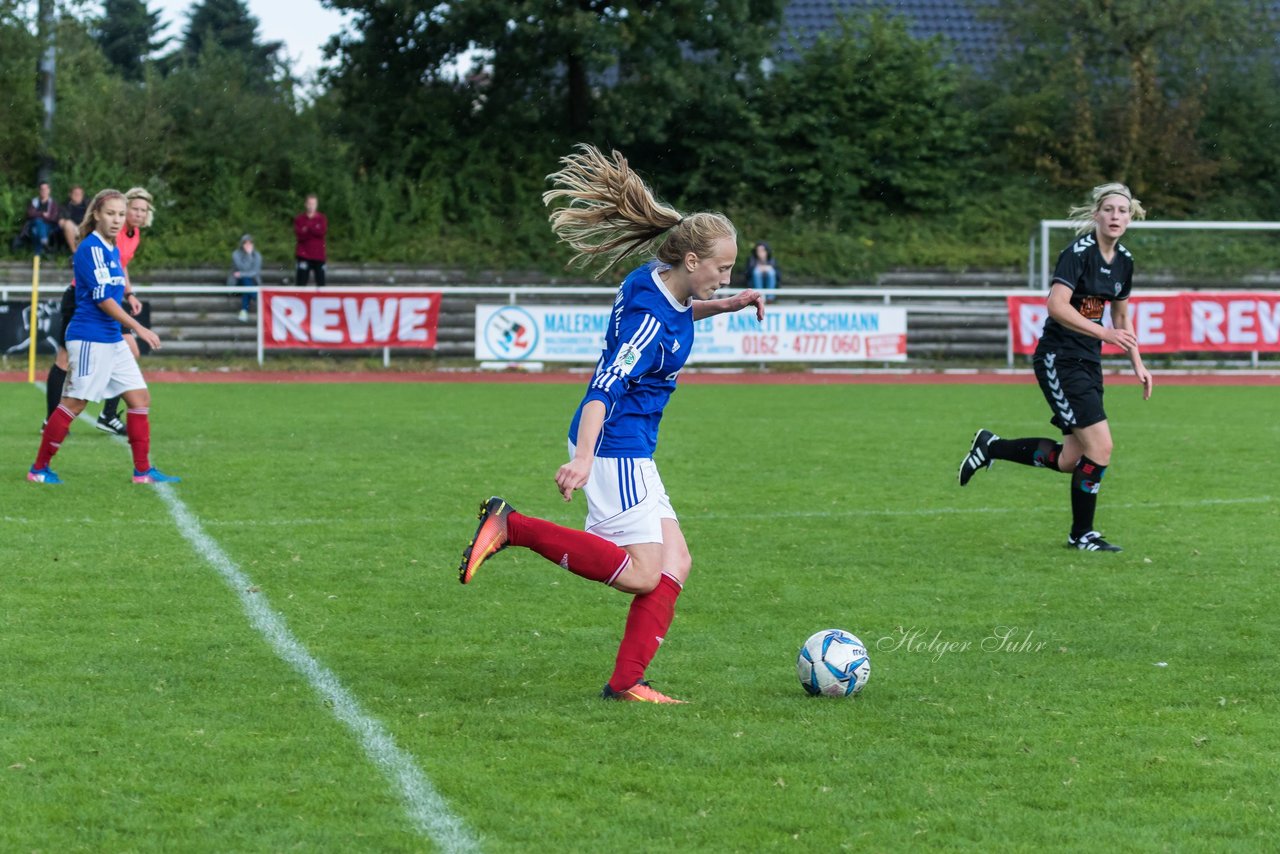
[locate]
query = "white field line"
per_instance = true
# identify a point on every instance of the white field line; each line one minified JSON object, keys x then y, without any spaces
{"x":423,"y":804}
{"x":772,"y":514}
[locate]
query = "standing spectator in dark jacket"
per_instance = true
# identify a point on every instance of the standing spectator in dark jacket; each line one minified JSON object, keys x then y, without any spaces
{"x":70,"y":217}
{"x":42,"y":220}
{"x":762,"y":270}
{"x":246,"y":270}
{"x":310,"y":227}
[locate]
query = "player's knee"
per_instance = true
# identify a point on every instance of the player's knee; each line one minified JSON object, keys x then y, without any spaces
{"x":639,"y":578}
{"x":678,"y":568}
{"x":1100,"y":452}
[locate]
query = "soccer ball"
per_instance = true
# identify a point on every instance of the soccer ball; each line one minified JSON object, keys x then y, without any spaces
{"x":833,"y":663}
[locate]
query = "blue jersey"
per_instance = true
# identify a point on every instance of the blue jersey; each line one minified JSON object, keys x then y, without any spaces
{"x":647,"y":343}
{"x":98,"y":276}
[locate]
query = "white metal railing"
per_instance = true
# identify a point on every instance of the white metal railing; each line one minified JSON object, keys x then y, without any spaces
{"x":1172,"y":225}
{"x":513,"y":293}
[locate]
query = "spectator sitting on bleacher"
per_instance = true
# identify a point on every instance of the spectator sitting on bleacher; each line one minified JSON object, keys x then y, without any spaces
{"x":761,"y":271}
{"x":246,"y":269}
{"x":41,"y":221}
{"x":70,"y":217}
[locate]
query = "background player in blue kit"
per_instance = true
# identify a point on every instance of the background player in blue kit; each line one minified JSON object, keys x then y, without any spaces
{"x":632,"y":540}
{"x":1093,"y":271}
{"x":100,"y":363}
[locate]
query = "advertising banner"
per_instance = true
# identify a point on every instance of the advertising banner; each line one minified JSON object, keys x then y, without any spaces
{"x":15,"y":326}
{"x":811,"y":333}
{"x":1185,"y":322}
{"x":1233,"y":322}
{"x":352,"y":320}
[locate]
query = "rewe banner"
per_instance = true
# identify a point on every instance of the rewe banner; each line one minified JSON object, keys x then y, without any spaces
{"x":1182,"y":322}
{"x":336,"y":320}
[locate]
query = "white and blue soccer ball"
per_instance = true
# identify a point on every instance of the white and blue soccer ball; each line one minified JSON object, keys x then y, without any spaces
{"x":833,"y":663}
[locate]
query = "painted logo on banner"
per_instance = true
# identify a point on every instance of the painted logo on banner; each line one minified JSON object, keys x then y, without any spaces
{"x":349,"y":319}
{"x":510,"y":333}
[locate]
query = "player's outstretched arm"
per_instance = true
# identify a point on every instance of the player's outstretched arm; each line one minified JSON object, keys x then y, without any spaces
{"x":737,"y":302}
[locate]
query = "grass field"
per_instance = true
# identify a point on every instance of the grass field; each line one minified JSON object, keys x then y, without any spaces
{"x":164,"y":652}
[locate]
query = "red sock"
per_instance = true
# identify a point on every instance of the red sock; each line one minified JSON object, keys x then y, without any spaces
{"x":580,"y":552}
{"x":138,"y":426}
{"x":647,"y":623}
{"x":55,"y":430}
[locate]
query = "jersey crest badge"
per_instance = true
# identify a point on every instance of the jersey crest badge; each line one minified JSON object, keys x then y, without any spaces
{"x":627,"y":357}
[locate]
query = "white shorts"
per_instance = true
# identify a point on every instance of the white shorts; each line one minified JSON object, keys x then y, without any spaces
{"x":97,"y":371}
{"x":626,"y":501}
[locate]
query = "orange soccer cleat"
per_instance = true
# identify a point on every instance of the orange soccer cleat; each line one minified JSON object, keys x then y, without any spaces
{"x":490,"y":538}
{"x":641,"y":692}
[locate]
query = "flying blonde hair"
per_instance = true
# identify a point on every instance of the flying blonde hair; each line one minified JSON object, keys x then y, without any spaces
{"x":141,"y":193}
{"x":612,"y":214}
{"x":1082,"y":216}
{"x":90,"y":221}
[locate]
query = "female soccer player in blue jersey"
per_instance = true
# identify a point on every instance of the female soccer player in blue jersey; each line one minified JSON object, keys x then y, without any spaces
{"x":1093,"y":271}
{"x":632,"y":540}
{"x":100,"y":362}
{"x":139,"y":212}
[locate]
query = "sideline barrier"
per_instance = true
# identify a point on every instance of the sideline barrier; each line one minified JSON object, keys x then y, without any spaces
{"x":943,"y":322}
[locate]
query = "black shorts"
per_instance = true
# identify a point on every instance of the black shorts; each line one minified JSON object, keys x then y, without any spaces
{"x":68,"y":310}
{"x":1073,"y":389}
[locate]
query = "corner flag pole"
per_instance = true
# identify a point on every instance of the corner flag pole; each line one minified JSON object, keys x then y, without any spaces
{"x":33,"y":324}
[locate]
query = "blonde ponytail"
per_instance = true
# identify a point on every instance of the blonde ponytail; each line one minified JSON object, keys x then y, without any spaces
{"x":612,"y":214}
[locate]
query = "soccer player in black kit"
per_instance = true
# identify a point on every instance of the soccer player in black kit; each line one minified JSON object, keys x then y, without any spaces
{"x":1093,"y":271}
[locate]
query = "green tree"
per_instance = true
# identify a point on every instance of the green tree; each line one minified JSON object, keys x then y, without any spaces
{"x":19,"y":108}
{"x":128,"y":32}
{"x":1117,"y":89}
{"x":228,"y":26}
{"x":868,"y":118}
{"x":544,"y":73}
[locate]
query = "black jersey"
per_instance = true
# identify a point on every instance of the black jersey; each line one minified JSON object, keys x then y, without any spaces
{"x":1094,"y":282}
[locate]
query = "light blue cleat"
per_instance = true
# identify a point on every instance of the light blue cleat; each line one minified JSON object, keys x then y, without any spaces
{"x":153,"y":475}
{"x":44,"y":475}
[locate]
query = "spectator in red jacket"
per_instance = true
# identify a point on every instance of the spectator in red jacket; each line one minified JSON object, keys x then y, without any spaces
{"x":310,"y":227}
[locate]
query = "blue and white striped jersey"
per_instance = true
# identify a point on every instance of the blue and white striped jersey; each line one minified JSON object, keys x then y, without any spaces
{"x":647,"y":343}
{"x":98,"y":276}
